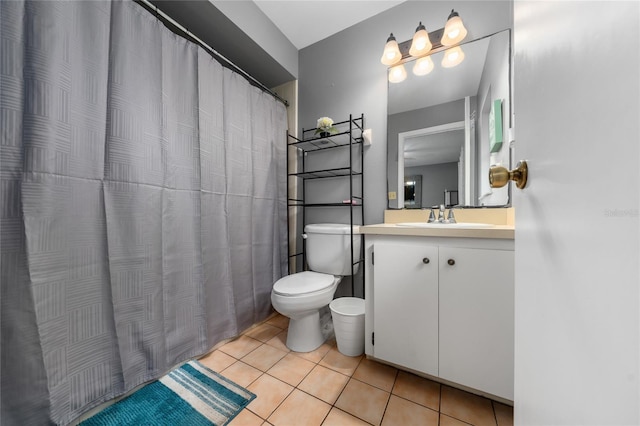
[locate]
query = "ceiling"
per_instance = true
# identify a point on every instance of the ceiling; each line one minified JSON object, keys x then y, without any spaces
{"x":305,"y":22}
{"x":434,"y":148}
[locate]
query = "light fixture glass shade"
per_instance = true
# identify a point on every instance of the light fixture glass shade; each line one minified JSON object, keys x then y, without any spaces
{"x":423,"y":66}
{"x":454,"y":30}
{"x":452,"y":57}
{"x":420,"y":45}
{"x":397,"y":74}
{"x":391,"y":54}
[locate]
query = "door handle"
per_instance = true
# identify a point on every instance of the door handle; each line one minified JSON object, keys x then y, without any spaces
{"x":499,"y":176}
{"x":425,"y":260}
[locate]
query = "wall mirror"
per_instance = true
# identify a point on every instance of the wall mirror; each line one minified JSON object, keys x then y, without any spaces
{"x":449,"y":126}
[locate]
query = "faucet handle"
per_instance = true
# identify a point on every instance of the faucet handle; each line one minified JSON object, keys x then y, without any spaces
{"x":432,"y":217}
{"x":450,"y":217}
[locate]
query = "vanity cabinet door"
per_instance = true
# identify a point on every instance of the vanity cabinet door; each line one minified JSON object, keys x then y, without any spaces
{"x":405,"y":294}
{"x":476,"y":319}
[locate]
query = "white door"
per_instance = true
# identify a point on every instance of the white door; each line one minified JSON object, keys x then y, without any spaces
{"x":577,"y":121}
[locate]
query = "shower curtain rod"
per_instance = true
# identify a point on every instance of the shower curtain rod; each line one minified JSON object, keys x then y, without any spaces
{"x":182,"y":31}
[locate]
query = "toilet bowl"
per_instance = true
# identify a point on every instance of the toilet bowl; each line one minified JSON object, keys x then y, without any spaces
{"x":300,"y":296}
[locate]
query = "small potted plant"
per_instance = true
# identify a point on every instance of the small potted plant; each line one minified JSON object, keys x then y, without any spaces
{"x":325,"y":127}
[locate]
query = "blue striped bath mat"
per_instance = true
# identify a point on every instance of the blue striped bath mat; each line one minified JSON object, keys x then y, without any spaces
{"x":189,"y":395}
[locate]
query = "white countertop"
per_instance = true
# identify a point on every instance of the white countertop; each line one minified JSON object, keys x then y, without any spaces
{"x":495,"y":231}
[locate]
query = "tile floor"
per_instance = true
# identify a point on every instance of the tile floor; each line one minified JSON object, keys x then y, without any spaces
{"x":327,"y":388}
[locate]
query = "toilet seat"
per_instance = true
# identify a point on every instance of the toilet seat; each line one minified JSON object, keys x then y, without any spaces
{"x":303,"y":283}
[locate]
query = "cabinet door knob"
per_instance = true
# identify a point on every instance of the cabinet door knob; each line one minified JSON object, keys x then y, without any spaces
{"x":425,"y":260}
{"x":451,"y":262}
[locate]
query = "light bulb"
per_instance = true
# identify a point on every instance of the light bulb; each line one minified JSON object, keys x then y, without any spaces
{"x":391,"y":53}
{"x":397,"y":74}
{"x":454,"y":30}
{"x":423,"y":66}
{"x":421,"y":44}
{"x":452,"y":57}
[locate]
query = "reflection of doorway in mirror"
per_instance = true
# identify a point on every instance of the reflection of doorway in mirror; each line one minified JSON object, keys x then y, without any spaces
{"x":438,"y":155}
{"x":413,"y":192}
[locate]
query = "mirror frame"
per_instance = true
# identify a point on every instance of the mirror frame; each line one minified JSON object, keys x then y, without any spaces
{"x":507,"y":136}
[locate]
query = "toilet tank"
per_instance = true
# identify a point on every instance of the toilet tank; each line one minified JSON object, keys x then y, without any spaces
{"x":328,"y":248}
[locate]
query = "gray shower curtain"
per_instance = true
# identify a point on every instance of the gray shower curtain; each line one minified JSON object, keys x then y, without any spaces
{"x":143,"y":203}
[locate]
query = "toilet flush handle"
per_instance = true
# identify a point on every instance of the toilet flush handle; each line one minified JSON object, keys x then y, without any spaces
{"x":304,"y":236}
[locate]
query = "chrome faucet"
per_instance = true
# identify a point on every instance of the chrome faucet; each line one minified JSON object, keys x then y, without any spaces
{"x":441,"y":213}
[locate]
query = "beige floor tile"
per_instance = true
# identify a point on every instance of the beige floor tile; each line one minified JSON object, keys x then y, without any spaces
{"x":450,"y":421}
{"x":363,"y":401}
{"x":240,"y":347}
{"x":340,"y":418}
{"x":504,"y":414}
{"x":376,"y":374}
{"x":279,"y":321}
{"x":402,"y":412}
{"x":417,"y":389}
{"x":266,"y":423}
{"x":467,"y":407}
{"x":264,"y":332}
{"x":270,"y":392}
{"x":241,"y":373}
{"x":263,"y":357}
{"x":291,"y":369}
{"x":340,"y":363}
{"x":300,"y":409}
{"x":217,"y":360}
{"x":246,"y":418}
{"x":324,"y":383}
{"x":279,"y":341}
{"x":316,"y":355}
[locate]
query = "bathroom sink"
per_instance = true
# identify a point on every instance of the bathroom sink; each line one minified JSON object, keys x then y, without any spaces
{"x":461,"y":225}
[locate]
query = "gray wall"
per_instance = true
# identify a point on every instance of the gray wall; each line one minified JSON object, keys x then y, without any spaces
{"x":435,"y":179}
{"x":252,"y":21}
{"x":342,"y":75}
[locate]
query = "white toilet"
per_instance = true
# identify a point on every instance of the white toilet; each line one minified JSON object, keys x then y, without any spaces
{"x":300,"y":296}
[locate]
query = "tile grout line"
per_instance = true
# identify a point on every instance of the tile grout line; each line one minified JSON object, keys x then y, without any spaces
{"x":390,"y":393}
{"x":439,"y":403}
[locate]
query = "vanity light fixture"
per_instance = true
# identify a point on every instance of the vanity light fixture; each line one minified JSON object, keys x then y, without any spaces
{"x":397,"y":74}
{"x":423,"y":44}
{"x":452,"y":57}
{"x":423,"y":66}
{"x":420,"y":45}
{"x":454,"y":30}
{"x":391,"y":54}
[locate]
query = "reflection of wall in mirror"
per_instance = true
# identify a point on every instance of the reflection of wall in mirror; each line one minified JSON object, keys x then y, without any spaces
{"x":494,"y":85}
{"x":437,"y":179}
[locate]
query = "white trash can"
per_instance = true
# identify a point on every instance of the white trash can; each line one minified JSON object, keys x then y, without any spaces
{"x":348,"y":324}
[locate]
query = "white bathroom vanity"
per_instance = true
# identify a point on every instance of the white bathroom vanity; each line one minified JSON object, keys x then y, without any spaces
{"x":440,"y":303}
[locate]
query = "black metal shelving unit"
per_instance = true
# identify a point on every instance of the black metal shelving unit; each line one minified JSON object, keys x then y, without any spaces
{"x":348,"y":138}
